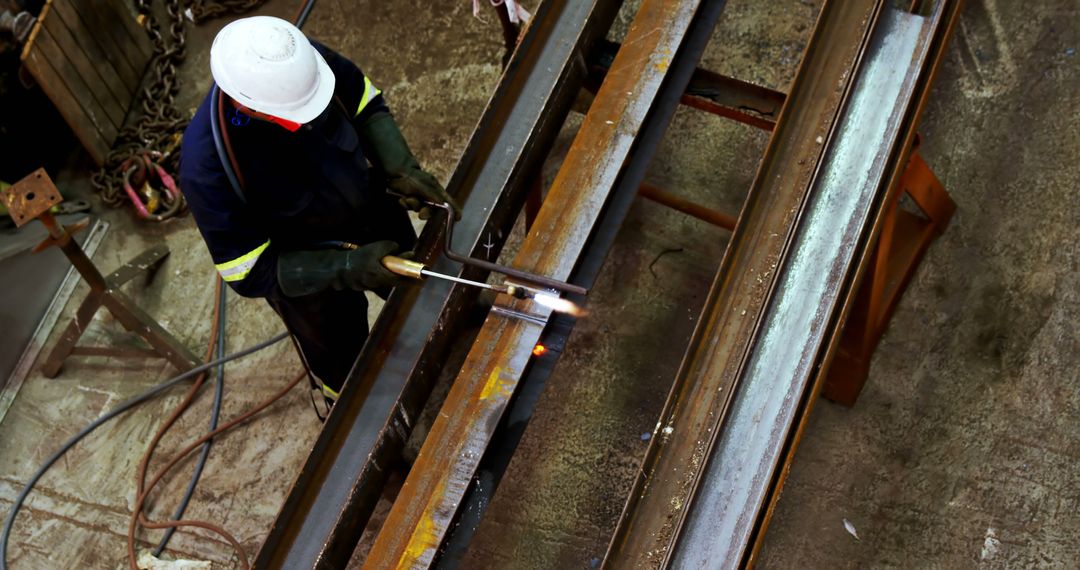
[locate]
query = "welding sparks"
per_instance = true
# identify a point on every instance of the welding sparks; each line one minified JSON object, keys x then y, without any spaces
{"x":559,"y":305}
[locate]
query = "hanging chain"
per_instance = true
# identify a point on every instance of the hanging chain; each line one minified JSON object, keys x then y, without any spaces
{"x":200,"y":10}
{"x":154,"y":138}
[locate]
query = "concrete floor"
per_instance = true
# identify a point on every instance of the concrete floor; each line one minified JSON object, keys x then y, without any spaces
{"x":960,"y":452}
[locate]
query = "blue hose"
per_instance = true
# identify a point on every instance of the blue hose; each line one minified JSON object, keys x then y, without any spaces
{"x":15,"y":508}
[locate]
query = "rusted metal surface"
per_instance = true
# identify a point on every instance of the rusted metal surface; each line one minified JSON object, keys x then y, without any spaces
{"x":739,"y":297}
{"x":708,"y":91}
{"x":336,"y":491}
{"x":429,"y":499}
{"x":30,"y":198}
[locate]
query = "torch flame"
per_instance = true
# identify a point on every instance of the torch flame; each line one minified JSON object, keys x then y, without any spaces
{"x":559,"y":305}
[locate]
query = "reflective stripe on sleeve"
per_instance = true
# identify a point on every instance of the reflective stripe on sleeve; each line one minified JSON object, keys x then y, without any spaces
{"x":370,"y":92}
{"x":239,"y":268}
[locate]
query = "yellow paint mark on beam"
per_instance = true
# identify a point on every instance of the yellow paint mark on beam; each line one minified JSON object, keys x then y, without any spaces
{"x":496,"y":385}
{"x":424,"y":537}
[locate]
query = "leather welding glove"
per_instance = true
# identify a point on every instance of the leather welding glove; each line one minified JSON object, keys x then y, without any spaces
{"x":306,"y":272}
{"x":402,"y":169}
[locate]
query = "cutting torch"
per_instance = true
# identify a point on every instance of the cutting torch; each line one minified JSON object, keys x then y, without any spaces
{"x":550,"y":299}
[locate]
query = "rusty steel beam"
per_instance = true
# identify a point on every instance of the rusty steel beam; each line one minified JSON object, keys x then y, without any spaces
{"x":718,"y":464}
{"x":656,"y":507}
{"x":664,"y":37}
{"x":334,"y":494}
{"x":735,"y":99}
{"x":708,"y":91}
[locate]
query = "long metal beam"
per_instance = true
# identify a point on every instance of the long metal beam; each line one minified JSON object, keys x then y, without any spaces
{"x":662,"y":31}
{"x":935,"y":29}
{"x":655,"y":509}
{"x":717,"y":505}
{"x":336,"y":490}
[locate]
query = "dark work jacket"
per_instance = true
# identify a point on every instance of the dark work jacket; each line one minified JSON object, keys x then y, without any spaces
{"x":300,"y":188}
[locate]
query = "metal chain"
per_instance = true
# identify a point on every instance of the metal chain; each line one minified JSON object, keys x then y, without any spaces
{"x":200,"y":10}
{"x":156,"y":135}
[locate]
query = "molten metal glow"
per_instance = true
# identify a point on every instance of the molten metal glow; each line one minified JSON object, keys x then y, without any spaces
{"x":539,"y":350}
{"x":559,"y":305}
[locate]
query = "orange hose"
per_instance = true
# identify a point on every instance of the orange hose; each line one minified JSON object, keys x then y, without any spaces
{"x":141,"y":499}
{"x":143,"y":489}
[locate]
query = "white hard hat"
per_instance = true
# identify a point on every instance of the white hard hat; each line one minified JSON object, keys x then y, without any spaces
{"x":267,"y":64}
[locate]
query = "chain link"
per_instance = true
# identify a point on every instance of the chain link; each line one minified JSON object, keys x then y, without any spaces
{"x":157,"y":134}
{"x":201,"y":10}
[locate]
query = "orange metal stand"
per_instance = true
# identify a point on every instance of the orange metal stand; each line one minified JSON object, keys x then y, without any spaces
{"x":905,"y":237}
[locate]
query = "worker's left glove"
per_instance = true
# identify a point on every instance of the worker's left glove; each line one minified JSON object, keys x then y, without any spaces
{"x":402,"y":169}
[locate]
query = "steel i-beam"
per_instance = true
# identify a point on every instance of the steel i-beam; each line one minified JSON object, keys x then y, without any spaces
{"x":747,"y":380}
{"x":425,"y":508}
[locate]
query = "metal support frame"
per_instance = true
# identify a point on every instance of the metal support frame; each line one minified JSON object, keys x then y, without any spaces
{"x":707,"y":91}
{"x":692,"y":209}
{"x":31,"y":198}
{"x":903,"y":241}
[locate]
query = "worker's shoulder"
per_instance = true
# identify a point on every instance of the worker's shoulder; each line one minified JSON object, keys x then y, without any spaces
{"x":198,"y":133}
{"x":338,"y":62}
{"x":199,"y":163}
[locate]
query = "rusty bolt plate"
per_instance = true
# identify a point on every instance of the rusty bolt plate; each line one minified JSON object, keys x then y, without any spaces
{"x":30,"y":197}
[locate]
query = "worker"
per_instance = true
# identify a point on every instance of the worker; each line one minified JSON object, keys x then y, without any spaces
{"x":315,"y":149}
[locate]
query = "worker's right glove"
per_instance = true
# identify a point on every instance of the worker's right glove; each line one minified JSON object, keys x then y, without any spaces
{"x":306,"y":272}
{"x":403,"y":171}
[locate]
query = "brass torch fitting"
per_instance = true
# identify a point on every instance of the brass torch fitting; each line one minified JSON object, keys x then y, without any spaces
{"x":404,"y":267}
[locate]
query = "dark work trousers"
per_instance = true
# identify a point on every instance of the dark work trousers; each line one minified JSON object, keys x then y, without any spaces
{"x":330,"y":326}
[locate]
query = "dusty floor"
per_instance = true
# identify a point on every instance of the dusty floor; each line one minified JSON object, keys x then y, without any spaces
{"x":960,"y":453}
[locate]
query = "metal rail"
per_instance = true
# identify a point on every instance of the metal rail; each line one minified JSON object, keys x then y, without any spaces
{"x":336,"y":490}
{"x":941,"y":17}
{"x":699,"y":398}
{"x":642,"y":74}
{"x":748,"y":380}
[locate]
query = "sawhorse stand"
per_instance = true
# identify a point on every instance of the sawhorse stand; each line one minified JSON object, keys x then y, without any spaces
{"x":31,"y":198}
{"x":905,"y":236}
